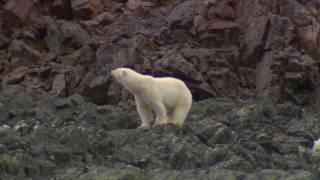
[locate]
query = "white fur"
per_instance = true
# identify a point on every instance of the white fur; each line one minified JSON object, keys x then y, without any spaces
{"x":159,"y":95}
{"x":316,"y":148}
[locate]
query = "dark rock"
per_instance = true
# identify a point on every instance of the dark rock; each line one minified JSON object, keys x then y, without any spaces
{"x":182,"y":14}
{"x":9,"y":165}
{"x":84,"y":57}
{"x":31,"y":33}
{"x":17,"y":75}
{"x":221,"y":137}
{"x":227,"y":174}
{"x":104,"y":57}
{"x":16,"y":12}
{"x":95,"y":87}
{"x":121,"y":58}
{"x":117,"y":120}
{"x":105,"y":18}
{"x":4,"y":41}
{"x":221,"y":10}
{"x":296,"y":74}
{"x":135,"y":5}
{"x":85,"y":9}
{"x":216,"y":134}
{"x":23,"y":54}
{"x":62,"y":9}
{"x":64,"y":37}
{"x":123,"y":173}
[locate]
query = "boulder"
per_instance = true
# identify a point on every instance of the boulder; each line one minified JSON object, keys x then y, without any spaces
{"x":85,"y":9}
{"x":17,"y":75}
{"x":4,"y":41}
{"x":23,"y":54}
{"x":64,"y":37}
{"x":17,"y":12}
{"x":62,"y":9}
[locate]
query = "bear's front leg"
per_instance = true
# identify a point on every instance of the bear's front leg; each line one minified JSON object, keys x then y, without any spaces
{"x":144,"y":112}
{"x":161,"y":114}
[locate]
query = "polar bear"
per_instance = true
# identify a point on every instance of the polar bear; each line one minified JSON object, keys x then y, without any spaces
{"x":162,"y":96}
{"x":316,"y":148}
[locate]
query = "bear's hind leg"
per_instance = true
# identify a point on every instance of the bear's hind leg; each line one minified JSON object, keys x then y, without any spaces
{"x":144,"y":112}
{"x":161,"y":114}
{"x":179,"y":115}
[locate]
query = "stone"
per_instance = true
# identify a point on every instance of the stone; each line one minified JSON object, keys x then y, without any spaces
{"x":83,"y":57}
{"x":113,"y":174}
{"x":85,"y":9}
{"x":95,"y":87}
{"x":64,"y":37}
{"x":16,"y":12}
{"x":223,"y":11}
{"x":105,"y":18}
{"x":139,"y":5}
{"x":9,"y":165}
{"x":17,"y":75}
{"x":182,"y":15}
{"x":62,"y":9}
{"x":4,"y":41}
{"x":23,"y":54}
{"x":308,"y":39}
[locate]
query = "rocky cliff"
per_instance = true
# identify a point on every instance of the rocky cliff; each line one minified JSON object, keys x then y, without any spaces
{"x":252,"y":67}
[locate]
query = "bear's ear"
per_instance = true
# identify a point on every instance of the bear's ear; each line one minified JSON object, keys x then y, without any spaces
{"x":124,"y":73}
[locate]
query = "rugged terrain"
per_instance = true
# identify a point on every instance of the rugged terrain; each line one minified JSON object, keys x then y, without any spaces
{"x":252,"y":67}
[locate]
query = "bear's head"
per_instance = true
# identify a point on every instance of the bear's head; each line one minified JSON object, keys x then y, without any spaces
{"x":130,"y":79}
{"x":119,"y":74}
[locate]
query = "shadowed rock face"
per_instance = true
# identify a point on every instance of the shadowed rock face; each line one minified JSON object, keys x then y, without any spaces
{"x":252,"y":67}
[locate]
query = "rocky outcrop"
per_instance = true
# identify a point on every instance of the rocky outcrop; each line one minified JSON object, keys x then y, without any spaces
{"x":218,"y":47}
{"x":63,"y":116}
{"x":69,"y":137}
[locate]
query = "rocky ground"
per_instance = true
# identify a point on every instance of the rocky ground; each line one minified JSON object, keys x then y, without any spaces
{"x":252,"y":67}
{"x":70,"y":138}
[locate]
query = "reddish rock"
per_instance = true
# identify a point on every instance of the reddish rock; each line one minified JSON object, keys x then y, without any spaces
{"x":308,"y":37}
{"x":16,"y":12}
{"x":17,"y":75}
{"x":62,"y":9}
{"x":85,"y":9}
